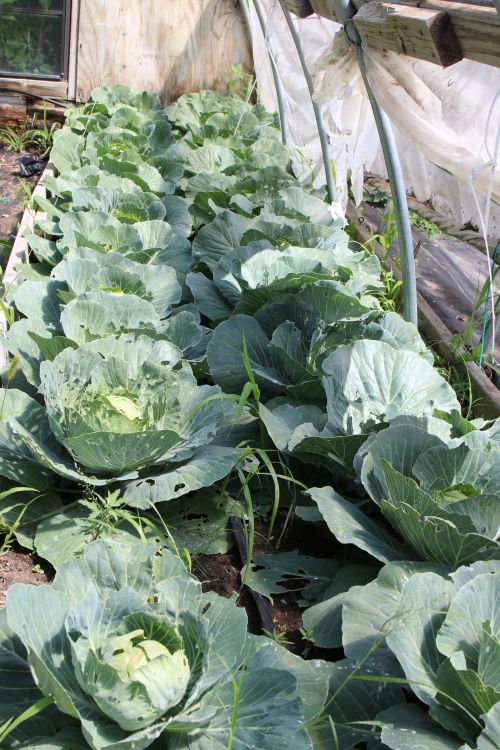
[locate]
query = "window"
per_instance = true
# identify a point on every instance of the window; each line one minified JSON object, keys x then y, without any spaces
{"x":34,"y":36}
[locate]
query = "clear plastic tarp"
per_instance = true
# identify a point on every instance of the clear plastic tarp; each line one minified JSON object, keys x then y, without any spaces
{"x":446,"y":121}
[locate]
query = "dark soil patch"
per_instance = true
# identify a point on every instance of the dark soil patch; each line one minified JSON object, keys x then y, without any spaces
{"x":10,"y":203}
{"x":218,"y":573}
{"x":221,"y":574}
{"x":17,"y":567}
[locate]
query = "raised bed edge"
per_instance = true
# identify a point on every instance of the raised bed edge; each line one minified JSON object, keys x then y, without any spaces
{"x":20,"y":250}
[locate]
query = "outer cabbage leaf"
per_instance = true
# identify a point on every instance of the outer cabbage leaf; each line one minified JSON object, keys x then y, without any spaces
{"x":115,"y":622}
{"x":131,"y":407}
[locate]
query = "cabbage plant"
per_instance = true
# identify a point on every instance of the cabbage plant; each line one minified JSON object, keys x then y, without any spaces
{"x":441,"y":632}
{"x":137,"y":656}
{"x":441,"y":493}
{"x":366,"y":385}
{"x":112,"y":408}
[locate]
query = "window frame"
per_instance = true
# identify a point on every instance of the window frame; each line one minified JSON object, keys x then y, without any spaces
{"x":65,"y":14}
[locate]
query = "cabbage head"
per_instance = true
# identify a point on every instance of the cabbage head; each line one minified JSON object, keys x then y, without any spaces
{"x":132,"y":651}
{"x":115,"y":407}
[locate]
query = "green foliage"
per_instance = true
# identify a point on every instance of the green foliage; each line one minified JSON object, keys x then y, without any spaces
{"x":32,"y":133}
{"x":130,"y":650}
{"x":196,"y":339}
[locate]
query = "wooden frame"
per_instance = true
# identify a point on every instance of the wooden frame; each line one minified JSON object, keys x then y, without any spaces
{"x":59,"y":89}
{"x":440,"y":31}
{"x":20,"y":249}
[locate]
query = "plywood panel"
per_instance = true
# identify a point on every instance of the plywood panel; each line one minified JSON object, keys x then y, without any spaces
{"x":171,"y":47}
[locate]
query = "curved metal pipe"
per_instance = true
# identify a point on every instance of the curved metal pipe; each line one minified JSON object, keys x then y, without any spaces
{"x":280,"y":92}
{"x":345,"y":10}
{"x":323,"y":137}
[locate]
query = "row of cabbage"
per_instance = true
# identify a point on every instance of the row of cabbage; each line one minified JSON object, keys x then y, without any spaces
{"x":190,"y":300}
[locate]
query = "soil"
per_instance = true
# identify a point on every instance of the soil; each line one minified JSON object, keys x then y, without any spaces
{"x":11,"y":208}
{"x":18,"y":567}
{"x":218,"y":573}
{"x":221,"y":574}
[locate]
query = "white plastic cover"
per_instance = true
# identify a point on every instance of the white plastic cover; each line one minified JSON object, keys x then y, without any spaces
{"x":446,"y":121}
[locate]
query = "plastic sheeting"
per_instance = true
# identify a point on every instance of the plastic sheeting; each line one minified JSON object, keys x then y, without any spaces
{"x":445,"y":125}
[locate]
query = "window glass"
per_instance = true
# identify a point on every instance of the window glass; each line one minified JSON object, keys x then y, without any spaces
{"x":33,"y":5}
{"x":30,"y":44}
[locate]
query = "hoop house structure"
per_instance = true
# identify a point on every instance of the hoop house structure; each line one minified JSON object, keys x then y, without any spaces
{"x":249,"y":378}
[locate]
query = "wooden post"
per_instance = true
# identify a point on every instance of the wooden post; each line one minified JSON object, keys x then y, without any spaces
{"x":325,"y":8}
{"x":300,"y":8}
{"x":416,"y":32}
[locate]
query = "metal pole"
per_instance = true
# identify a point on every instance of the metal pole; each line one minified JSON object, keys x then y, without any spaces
{"x":246,"y":16}
{"x":280,"y":92}
{"x":323,"y":138}
{"x":345,"y":11}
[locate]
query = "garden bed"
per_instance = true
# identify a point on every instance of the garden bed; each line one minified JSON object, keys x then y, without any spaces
{"x":12,"y":196}
{"x":197,"y":356}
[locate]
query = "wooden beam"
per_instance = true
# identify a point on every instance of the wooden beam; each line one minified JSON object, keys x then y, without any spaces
{"x":325,"y":8}
{"x":57,"y":89}
{"x":300,"y":8}
{"x":476,"y":27}
{"x":416,"y":32}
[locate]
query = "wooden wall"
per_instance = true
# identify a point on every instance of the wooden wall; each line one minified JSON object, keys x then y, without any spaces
{"x":171,"y":46}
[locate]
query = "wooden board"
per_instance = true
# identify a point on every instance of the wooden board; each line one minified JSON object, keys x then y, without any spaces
{"x":300,"y":8}
{"x":416,"y":32}
{"x":171,"y":47}
{"x":57,"y":89}
{"x":20,"y":250}
{"x":476,"y":27}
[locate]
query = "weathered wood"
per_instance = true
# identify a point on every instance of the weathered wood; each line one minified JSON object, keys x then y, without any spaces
{"x":58,"y":89}
{"x":73,"y":48}
{"x":300,"y":8}
{"x":416,"y":32}
{"x":476,"y":27}
{"x":20,"y":250}
{"x":173,"y":47}
{"x":12,"y":107}
{"x":325,"y":8}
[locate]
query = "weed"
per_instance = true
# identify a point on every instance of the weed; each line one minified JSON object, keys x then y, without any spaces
{"x":429,"y":227}
{"x":278,"y":635}
{"x":25,"y":195}
{"x":240,"y":83}
{"x":11,"y":724}
{"x":457,"y":376}
{"x":8,"y":529}
{"x":32,"y":133}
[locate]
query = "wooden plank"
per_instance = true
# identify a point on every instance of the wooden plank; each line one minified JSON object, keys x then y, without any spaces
{"x":416,"y":32}
{"x":476,"y":27}
{"x":57,"y":89}
{"x":172,"y":48}
{"x":300,"y":8}
{"x":20,"y":250}
{"x":325,"y":8}
{"x":12,"y":107}
{"x":73,"y":49}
